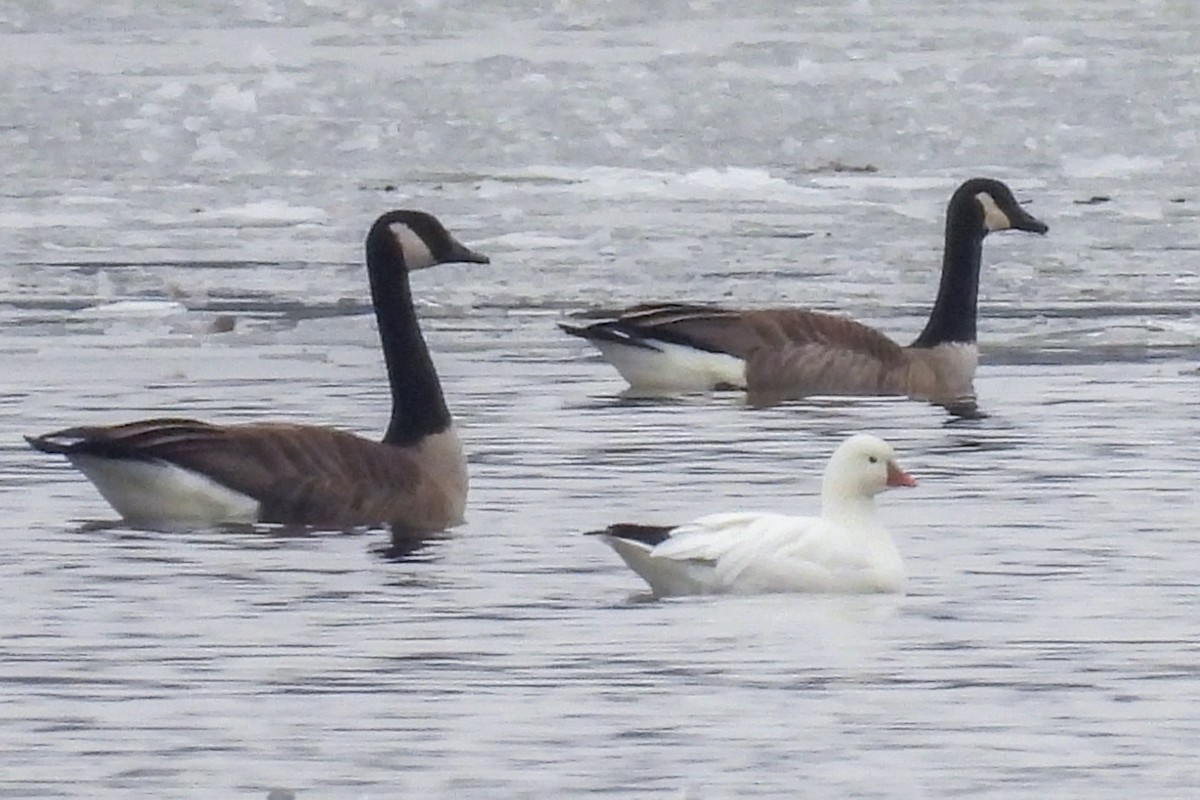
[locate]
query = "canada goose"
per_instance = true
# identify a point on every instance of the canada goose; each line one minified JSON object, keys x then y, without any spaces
{"x":845,"y":549}
{"x":778,"y":353}
{"x":184,"y":472}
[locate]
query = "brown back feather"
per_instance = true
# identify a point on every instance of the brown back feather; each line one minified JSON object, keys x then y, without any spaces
{"x":742,"y":333}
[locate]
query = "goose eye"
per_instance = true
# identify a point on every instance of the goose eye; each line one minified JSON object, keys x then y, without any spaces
{"x":873,"y":459}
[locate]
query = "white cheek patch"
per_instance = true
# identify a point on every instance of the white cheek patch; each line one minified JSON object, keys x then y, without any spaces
{"x":417,"y":254}
{"x":993,"y":218}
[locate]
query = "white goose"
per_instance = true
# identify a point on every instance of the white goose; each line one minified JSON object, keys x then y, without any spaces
{"x":845,"y":549}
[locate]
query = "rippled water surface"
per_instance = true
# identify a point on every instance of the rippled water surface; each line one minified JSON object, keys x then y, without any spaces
{"x":170,"y":168}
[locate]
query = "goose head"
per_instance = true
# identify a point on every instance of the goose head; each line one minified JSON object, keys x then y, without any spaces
{"x":415,"y":240}
{"x":990,"y":206}
{"x":862,"y":467}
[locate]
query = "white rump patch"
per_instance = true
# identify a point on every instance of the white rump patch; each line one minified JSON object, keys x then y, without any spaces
{"x":673,"y":367}
{"x":993,"y":218}
{"x":417,"y":254}
{"x":156,"y":492}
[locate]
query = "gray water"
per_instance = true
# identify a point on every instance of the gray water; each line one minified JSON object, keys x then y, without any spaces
{"x":167,"y":167}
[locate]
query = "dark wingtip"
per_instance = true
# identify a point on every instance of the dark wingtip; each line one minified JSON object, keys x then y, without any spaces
{"x":44,"y":445}
{"x":603,"y":332}
{"x":650,"y":535}
{"x":574,"y":330}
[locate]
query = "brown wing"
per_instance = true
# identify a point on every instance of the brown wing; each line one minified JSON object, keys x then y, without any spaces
{"x":795,"y":327}
{"x":299,"y":474}
{"x":808,"y":352}
{"x":710,"y":328}
{"x":742,"y":332}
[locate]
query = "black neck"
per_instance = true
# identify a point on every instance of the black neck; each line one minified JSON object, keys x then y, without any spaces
{"x":953,"y":315}
{"x":418,"y":407}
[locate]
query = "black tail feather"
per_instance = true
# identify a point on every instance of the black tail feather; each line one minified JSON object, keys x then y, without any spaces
{"x":646,"y":534}
{"x":112,"y":441}
{"x":61,"y":443}
{"x":46,"y":445}
{"x":575,"y":330}
{"x":605,"y":332}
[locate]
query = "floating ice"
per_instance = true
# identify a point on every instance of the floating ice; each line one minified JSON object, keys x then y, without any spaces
{"x":1039,"y":45}
{"x":211,"y":151}
{"x":1187,"y":329}
{"x":530,"y":241}
{"x":881,"y":72}
{"x":19,"y":220}
{"x":171,"y":90}
{"x":812,"y":73}
{"x":261,"y":214}
{"x":261,"y":57}
{"x":1110,"y":166}
{"x":621,"y":182}
{"x":1147,"y":209}
{"x":229,"y":99}
{"x":365,"y":137}
{"x":133,"y":308}
{"x":1060,"y":67}
{"x":276,"y":82}
{"x":733,"y":178}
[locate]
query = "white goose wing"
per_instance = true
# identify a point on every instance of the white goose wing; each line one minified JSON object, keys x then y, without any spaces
{"x":755,"y":552}
{"x":750,"y":553}
{"x":711,"y":537}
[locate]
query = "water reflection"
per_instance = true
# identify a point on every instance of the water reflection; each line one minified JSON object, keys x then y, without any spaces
{"x":398,"y":546}
{"x":409,"y":546}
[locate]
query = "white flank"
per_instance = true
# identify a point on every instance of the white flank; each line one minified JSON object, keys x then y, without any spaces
{"x":157,"y":492}
{"x":673,"y":367}
{"x":667,"y":578}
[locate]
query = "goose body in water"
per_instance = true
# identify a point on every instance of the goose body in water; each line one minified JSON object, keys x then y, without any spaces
{"x":846,"y":549}
{"x":782,"y":353}
{"x":181,"y":472}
